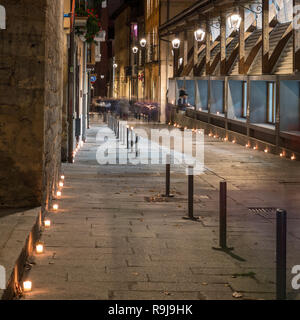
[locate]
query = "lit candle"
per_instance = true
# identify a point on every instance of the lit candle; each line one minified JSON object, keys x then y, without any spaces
{"x":293,"y":157}
{"x":61,"y":184}
{"x":62,"y":177}
{"x":58,"y":193}
{"x":39,"y":248}
{"x":255,"y":148}
{"x":27,"y":286}
{"x":47,"y":223}
{"x":55,"y":206}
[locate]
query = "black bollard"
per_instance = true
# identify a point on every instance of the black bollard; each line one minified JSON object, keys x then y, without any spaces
{"x":223,"y":215}
{"x":127,"y":137}
{"x":131,"y":139}
{"x":281,"y":254}
{"x":168,"y":177}
{"x":136,"y":145}
{"x":191,"y":194}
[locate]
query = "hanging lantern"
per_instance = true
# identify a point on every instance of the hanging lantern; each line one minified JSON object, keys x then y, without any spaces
{"x":199,"y":35}
{"x":143,"y":43}
{"x":135,"y":50}
{"x":176,"y":43}
{"x":234,"y":21}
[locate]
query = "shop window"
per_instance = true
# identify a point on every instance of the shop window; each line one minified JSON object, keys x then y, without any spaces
{"x":271,"y":103}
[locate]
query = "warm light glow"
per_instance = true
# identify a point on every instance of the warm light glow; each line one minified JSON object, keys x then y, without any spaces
{"x":131,"y":128}
{"x":176,"y":43}
{"x":143,"y":42}
{"x":218,"y":112}
{"x":210,"y":134}
{"x":39,"y":248}
{"x":200,"y":109}
{"x":135,"y":49}
{"x":55,"y":206}
{"x":266,"y":150}
{"x":234,"y":21}
{"x":27,"y":286}
{"x":225,"y":139}
{"x":58,"y":193}
{"x":255,"y":148}
{"x":61,"y":184}
{"x":293,"y":157}
{"x":115,"y":66}
{"x":233,"y":141}
{"x":47,"y":223}
{"x":199,"y":35}
{"x":62,"y":177}
{"x":248,"y":145}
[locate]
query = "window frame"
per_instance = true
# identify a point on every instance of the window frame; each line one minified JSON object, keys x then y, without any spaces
{"x":244,"y":112}
{"x":271,"y":109}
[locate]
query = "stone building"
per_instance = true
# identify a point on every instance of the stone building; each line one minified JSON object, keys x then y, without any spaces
{"x":125,"y":79}
{"x":240,"y":69}
{"x":44,"y":97}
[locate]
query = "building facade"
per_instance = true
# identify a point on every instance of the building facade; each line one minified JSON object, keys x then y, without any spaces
{"x":242,"y":76}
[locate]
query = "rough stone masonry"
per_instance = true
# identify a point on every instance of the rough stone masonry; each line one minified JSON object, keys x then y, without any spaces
{"x":30,"y":101}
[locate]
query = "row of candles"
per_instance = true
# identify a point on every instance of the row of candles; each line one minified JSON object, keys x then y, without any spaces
{"x":248,"y":145}
{"x":39,"y":247}
{"x":79,"y":145}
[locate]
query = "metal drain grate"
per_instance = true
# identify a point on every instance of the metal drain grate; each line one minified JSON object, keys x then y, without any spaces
{"x":264,"y":212}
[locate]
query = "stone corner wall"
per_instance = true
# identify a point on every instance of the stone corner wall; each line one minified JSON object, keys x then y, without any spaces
{"x":30,"y":101}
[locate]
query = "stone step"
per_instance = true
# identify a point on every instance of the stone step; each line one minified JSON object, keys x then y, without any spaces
{"x":18,"y":233}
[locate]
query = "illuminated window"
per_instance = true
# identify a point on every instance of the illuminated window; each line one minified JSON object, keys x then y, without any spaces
{"x":271,"y":102}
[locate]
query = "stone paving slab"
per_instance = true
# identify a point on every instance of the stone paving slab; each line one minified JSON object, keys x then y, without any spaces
{"x":107,"y":233}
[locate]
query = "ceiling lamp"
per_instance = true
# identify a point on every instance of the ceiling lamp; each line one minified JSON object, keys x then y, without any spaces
{"x":176,"y":43}
{"x":115,"y":66}
{"x":234,"y":21}
{"x":135,"y":49}
{"x":143,"y":43}
{"x":199,"y":35}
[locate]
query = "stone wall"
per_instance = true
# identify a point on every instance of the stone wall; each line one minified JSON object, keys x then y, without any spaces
{"x":30,"y":101}
{"x":54,"y":33}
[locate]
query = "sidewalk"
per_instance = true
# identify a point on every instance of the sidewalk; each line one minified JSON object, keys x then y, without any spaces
{"x":114,"y":237}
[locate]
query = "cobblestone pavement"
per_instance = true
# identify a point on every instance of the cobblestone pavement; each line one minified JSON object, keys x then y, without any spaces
{"x":114,"y":237}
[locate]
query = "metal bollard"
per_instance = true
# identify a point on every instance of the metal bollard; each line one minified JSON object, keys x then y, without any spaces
{"x":127,"y":137}
{"x":191,"y":194}
{"x":136,"y":145}
{"x":131,"y":139}
{"x":168,"y":177}
{"x":223,"y":215}
{"x":281,"y":254}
